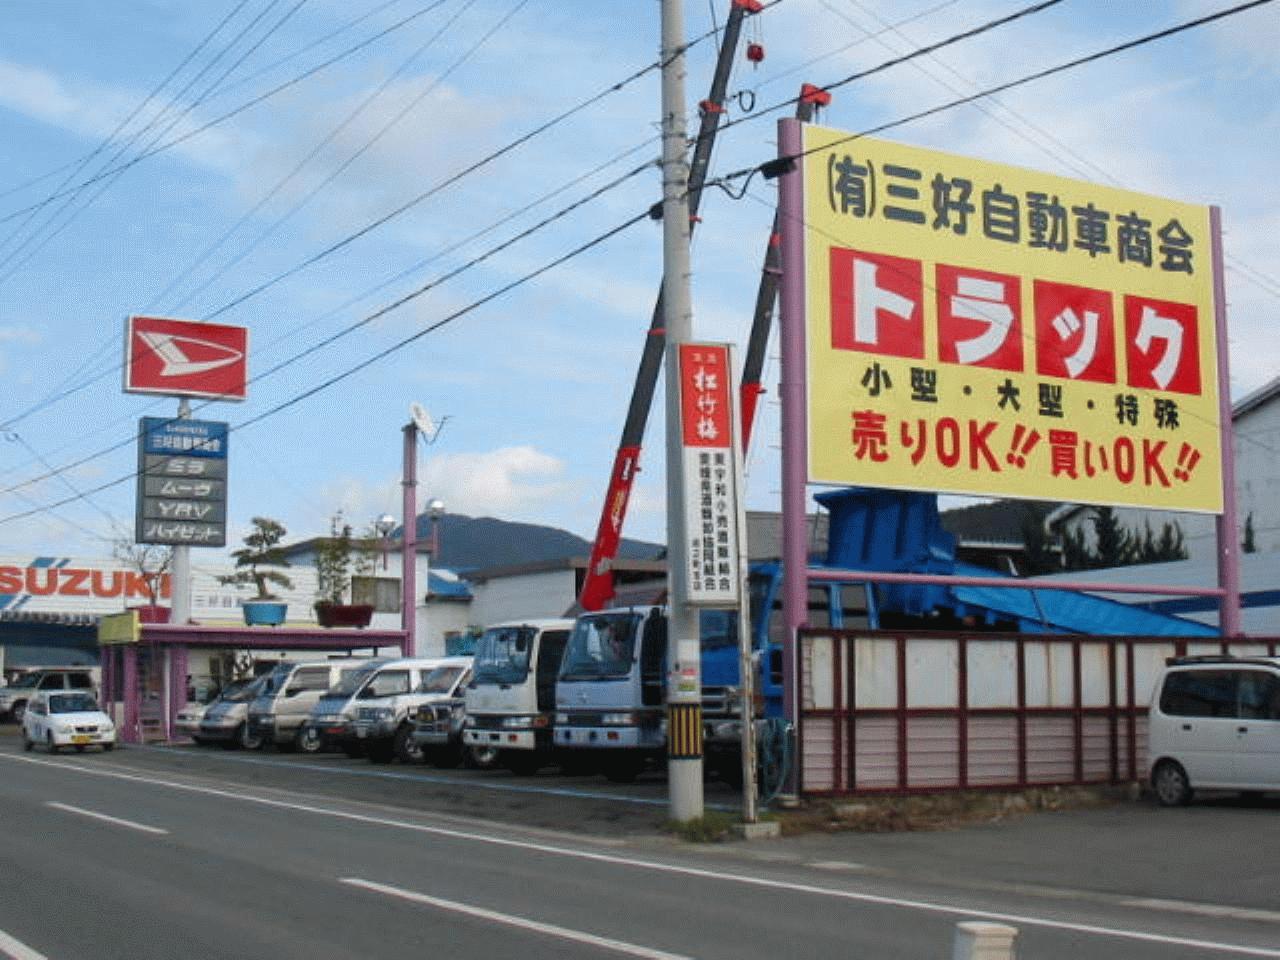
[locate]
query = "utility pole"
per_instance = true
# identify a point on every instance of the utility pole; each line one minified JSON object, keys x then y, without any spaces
{"x":409,"y":542}
{"x":684,"y":681}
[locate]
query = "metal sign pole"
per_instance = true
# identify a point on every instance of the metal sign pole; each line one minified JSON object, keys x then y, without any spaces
{"x":180,"y":566}
{"x":1227,"y":527}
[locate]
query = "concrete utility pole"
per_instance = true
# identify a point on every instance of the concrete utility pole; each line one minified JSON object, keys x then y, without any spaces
{"x":409,"y":543}
{"x":684,"y":682}
{"x":180,"y":562}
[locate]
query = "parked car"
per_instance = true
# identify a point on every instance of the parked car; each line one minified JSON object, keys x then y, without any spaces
{"x":14,"y":697}
{"x":278,"y":714}
{"x":1214,"y":724}
{"x":438,"y":721}
{"x":188,"y":719}
{"x":66,"y":719}
{"x":332,"y":720}
{"x":387,"y":703}
{"x":226,"y":720}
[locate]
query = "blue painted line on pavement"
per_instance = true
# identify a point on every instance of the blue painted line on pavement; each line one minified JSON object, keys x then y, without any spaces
{"x":442,"y":781}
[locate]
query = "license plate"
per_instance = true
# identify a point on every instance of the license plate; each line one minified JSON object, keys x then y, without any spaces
{"x":81,"y":738}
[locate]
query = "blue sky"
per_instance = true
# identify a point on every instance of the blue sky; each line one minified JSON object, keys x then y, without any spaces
{"x":536,"y":383}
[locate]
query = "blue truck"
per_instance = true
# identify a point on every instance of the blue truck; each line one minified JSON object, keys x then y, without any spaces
{"x":611,"y":691}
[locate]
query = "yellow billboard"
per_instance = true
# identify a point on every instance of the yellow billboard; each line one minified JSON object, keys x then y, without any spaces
{"x":979,"y":328}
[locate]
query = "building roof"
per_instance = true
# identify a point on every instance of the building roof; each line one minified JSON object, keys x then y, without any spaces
{"x":999,"y":522}
{"x":446,"y":585}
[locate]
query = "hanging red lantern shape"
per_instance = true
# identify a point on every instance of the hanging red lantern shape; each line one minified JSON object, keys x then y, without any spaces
{"x":755,"y":52}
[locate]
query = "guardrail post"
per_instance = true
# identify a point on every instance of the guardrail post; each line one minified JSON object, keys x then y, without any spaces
{"x":977,"y":940}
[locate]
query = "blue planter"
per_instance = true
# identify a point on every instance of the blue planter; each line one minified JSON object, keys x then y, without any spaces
{"x":264,"y":613}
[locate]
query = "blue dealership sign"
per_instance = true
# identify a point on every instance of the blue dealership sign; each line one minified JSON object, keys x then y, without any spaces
{"x":189,"y":438}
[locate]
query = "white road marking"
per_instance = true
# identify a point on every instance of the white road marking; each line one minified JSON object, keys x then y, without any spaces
{"x":1204,"y":909}
{"x":142,"y":827}
{"x":15,"y":949}
{"x":924,"y":906}
{"x":564,"y":933}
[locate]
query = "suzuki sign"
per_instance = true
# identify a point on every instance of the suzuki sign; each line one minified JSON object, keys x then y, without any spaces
{"x":186,"y":358}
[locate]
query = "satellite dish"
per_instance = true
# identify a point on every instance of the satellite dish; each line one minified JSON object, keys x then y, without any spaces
{"x":422,"y":420}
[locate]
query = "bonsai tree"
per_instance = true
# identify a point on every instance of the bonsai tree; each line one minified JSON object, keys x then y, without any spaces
{"x":261,"y":550}
{"x":149,"y":559}
{"x":333,"y":562}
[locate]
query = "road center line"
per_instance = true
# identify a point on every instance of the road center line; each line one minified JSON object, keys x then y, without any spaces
{"x":141,"y":827}
{"x":855,"y":896}
{"x":15,"y":949}
{"x":564,"y":933}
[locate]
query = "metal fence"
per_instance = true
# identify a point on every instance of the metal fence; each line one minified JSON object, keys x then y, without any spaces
{"x":889,"y":712}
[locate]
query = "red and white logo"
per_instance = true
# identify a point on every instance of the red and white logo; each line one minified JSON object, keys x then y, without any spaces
{"x":186,"y":358}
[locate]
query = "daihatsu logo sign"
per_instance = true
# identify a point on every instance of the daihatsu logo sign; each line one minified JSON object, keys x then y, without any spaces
{"x":186,"y":358}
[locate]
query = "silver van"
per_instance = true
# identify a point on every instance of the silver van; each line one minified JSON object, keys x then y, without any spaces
{"x":226,"y":719}
{"x":332,"y":720}
{"x":277,"y":715}
{"x":387,"y":704}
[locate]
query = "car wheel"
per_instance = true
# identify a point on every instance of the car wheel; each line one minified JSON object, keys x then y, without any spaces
{"x":48,"y":739}
{"x":308,"y":740}
{"x":353,"y":749}
{"x":480,"y":758}
{"x":1170,"y":783}
{"x":19,"y":711}
{"x":405,"y":747}
{"x":108,"y":747}
{"x":247,"y":739}
{"x":381,"y":751}
{"x":27,"y":743}
{"x":199,"y":741}
{"x":79,"y":748}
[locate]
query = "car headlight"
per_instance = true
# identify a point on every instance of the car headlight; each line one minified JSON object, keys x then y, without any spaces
{"x":618,"y":719}
{"x":383,"y":713}
{"x":515,"y":723}
{"x":65,"y":728}
{"x":562,"y":718}
{"x":469,"y":722}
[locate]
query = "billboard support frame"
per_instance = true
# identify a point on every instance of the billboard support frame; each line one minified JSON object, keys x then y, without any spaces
{"x":794,"y":393}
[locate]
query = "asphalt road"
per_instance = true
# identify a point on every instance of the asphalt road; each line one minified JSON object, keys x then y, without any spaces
{"x":215,"y":855}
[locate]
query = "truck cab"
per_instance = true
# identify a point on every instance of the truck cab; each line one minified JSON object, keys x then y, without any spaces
{"x":611,"y":691}
{"x":510,"y":702}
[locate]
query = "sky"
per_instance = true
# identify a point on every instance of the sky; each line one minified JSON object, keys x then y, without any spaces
{"x":229,"y":198}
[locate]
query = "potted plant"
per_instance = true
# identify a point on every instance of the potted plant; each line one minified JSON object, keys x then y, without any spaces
{"x":152,"y":562}
{"x":260,"y":552}
{"x":333,"y":578}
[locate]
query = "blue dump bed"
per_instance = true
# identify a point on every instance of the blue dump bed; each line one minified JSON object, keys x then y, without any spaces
{"x":888,"y":531}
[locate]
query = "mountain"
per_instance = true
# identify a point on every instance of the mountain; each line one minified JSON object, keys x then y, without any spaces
{"x":469,"y":543}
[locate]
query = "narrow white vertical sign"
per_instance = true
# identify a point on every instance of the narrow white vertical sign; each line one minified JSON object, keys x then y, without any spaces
{"x":712,"y":471}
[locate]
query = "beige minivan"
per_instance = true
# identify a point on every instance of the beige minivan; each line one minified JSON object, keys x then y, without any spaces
{"x":278,"y":713}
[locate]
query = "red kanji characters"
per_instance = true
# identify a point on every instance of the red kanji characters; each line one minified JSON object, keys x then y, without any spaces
{"x":870,"y":436}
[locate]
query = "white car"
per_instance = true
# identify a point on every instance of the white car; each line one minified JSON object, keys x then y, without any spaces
{"x":70,"y":719}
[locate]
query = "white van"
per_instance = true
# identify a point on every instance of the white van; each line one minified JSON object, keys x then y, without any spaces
{"x":277,"y":715}
{"x":386,"y":706}
{"x":1215,"y":725}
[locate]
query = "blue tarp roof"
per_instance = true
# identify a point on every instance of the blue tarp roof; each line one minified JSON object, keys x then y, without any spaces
{"x":1070,"y":612}
{"x":446,"y":585}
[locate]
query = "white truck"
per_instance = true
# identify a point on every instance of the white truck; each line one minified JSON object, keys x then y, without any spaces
{"x":511,"y":700}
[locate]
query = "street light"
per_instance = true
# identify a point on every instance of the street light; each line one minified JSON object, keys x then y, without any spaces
{"x":435,"y":510}
{"x":384,"y":525}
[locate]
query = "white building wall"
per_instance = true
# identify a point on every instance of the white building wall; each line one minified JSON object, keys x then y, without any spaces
{"x":529,"y":596}
{"x":1257,"y":452}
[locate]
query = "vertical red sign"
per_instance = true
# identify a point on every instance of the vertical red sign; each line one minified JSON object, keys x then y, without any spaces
{"x":705,"y":414}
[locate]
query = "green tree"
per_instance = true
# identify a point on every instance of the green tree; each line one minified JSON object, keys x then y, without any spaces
{"x":1250,"y":544}
{"x":1038,"y":546}
{"x":261,"y":549}
{"x":333,"y":561}
{"x":1114,"y":544}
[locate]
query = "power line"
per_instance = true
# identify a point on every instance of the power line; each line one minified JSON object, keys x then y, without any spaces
{"x":222,"y":118}
{"x":374,"y":358}
{"x":398,"y":211}
{"x":109,"y":182}
{"x":370,"y":143}
{"x":394,"y":305}
{"x":299,"y":166}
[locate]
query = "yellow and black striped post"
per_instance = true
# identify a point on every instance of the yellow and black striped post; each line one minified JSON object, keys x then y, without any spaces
{"x":684,"y":731}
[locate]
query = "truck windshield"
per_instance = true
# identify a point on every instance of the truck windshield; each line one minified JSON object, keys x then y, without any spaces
{"x":600,"y":647}
{"x":502,"y":655}
{"x":718,"y":628}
